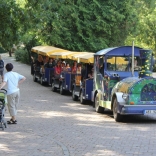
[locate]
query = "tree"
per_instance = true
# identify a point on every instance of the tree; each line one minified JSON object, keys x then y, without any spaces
{"x":82,"y":25}
{"x":145,"y":36}
{"x":11,"y":15}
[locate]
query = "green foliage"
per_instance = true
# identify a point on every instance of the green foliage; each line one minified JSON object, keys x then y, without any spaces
{"x":145,"y":35}
{"x":28,"y":41}
{"x":11,"y":16}
{"x":82,"y":25}
{"x":2,"y":50}
{"x":22,"y":55}
{"x":77,"y":25}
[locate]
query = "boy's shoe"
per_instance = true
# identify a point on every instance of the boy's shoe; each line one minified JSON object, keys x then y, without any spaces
{"x":12,"y":122}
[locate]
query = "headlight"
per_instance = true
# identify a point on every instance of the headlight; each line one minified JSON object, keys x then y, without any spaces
{"x":125,"y":96}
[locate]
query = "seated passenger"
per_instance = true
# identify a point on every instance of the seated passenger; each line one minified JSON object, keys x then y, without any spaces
{"x":63,"y":67}
{"x":49,"y":64}
{"x":68,"y":69}
{"x":74,"y":67}
{"x":45,"y":60}
{"x":38,"y":63}
{"x":58,"y":70}
{"x":136,"y":67}
{"x":54,"y":62}
{"x":91,"y":74}
{"x":78,"y":68}
{"x":83,"y":73}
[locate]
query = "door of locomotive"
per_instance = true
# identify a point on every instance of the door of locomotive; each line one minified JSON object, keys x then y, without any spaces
{"x":98,"y":83}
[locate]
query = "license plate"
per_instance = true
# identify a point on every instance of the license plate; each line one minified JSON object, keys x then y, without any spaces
{"x":150,"y":112}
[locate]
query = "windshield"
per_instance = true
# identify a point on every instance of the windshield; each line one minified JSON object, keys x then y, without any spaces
{"x":122,"y":64}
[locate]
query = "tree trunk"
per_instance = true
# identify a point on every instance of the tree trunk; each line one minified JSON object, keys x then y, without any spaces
{"x":10,"y":53}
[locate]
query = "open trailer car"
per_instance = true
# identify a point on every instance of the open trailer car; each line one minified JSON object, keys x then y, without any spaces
{"x":76,"y":85}
{"x":123,"y":82}
{"x":42,"y":74}
{"x":86,"y":85}
{"x":63,"y":83}
{"x":68,"y":82}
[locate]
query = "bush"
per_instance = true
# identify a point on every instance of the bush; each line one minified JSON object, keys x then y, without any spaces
{"x":22,"y":55}
{"x":2,"y":50}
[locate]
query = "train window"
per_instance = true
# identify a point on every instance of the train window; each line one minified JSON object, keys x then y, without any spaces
{"x":117,"y":63}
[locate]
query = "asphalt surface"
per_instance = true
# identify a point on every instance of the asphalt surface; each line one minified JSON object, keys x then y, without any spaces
{"x":50,"y":124}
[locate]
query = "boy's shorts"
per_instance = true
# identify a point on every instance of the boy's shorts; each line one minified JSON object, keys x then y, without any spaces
{"x":13,"y":100}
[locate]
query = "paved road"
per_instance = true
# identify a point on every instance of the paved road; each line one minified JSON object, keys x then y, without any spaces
{"x":50,"y":124}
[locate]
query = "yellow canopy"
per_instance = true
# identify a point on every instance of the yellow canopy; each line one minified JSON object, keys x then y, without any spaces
{"x":73,"y":53}
{"x":87,"y":58}
{"x":77,"y":56}
{"x":47,"y":50}
{"x":63,"y":55}
{"x":35,"y":49}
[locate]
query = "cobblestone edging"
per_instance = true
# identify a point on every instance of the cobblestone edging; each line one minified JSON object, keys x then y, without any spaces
{"x":64,"y":148}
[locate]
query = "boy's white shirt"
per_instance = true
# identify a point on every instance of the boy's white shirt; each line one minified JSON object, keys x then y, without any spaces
{"x":12,"y":79}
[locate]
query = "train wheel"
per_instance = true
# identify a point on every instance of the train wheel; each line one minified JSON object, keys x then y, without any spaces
{"x":98,"y":108}
{"x":82,"y":101}
{"x":118,"y":117}
{"x":34,"y":78}
{"x":61,"y":89}
{"x":53,"y":87}
{"x":74,"y":97}
{"x":41,"y":81}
